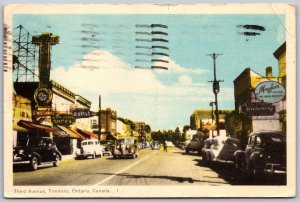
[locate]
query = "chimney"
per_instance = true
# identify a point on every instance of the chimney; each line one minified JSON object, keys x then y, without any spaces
{"x":269,"y":72}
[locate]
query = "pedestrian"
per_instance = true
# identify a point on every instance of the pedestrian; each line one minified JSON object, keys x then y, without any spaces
{"x":165,"y":146}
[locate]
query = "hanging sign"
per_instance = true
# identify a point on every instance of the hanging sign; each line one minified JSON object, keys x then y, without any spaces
{"x":259,"y":109}
{"x":82,"y":113}
{"x":63,"y":119}
{"x":270,"y":91}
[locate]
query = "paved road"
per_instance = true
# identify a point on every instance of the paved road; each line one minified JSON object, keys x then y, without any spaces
{"x":152,"y":167}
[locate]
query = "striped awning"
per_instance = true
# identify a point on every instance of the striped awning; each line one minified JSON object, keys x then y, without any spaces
{"x":87,"y":133}
{"x":71,"y":133}
{"x":34,"y":126}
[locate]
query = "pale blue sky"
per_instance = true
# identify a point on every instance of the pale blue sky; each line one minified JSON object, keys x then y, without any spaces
{"x":190,"y":37}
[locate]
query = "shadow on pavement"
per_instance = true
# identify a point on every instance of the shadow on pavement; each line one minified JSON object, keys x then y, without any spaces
{"x":171,"y":178}
{"x":189,"y":154}
{"x":233,"y":177}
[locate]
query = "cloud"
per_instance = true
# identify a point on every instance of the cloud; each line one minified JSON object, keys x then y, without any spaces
{"x":135,"y":93}
{"x":173,"y":67}
{"x":184,"y":79}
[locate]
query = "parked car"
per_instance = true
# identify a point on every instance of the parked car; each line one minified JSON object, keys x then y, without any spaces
{"x":207,"y":144}
{"x":196,"y":144}
{"x":126,"y":147}
{"x":265,"y":153}
{"x":88,"y":148}
{"x":155,"y":145}
{"x":35,"y":152}
{"x":222,"y":150}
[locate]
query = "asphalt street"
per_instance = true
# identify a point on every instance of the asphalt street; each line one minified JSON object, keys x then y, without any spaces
{"x":152,"y":167}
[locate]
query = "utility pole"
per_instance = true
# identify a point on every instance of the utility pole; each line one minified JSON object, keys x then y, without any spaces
{"x":99,"y":119}
{"x":216,"y":89}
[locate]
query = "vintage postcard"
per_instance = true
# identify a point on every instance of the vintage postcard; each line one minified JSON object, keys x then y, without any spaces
{"x":149,"y":101}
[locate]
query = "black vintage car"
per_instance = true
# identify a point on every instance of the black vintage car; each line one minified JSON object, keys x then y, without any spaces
{"x":35,"y":152}
{"x":265,"y":153}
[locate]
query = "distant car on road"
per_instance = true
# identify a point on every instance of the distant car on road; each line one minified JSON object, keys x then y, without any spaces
{"x":107,"y":147}
{"x":155,"y":145}
{"x":196,"y":144}
{"x":169,"y":144}
{"x":126,"y":147}
{"x":35,"y":152}
{"x":222,"y":150}
{"x":90,"y":148}
{"x":265,"y":154}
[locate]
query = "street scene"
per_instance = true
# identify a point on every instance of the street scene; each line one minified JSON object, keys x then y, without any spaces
{"x":131,"y":100}
{"x":152,"y":167}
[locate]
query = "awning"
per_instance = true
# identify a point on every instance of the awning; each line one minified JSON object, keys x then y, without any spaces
{"x":72,"y":133}
{"x":35,"y":126}
{"x":87,"y":133}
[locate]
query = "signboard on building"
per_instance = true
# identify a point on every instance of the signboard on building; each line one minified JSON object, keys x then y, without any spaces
{"x":258,"y":109}
{"x":42,"y":111}
{"x":83,"y":113}
{"x":270,"y":91}
{"x":43,"y":96}
{"x":63,"y":119}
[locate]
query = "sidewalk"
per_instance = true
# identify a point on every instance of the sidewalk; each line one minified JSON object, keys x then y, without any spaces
{"x":67,"y":157}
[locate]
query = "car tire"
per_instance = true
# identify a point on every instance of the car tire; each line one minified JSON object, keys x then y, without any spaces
{"x":208,"y":160}
{"x":199,"y":152}
{"x":187,"y":151}
{"x":133,"y":156}
{"x":57,"y":161}
{"x":34,"y":163}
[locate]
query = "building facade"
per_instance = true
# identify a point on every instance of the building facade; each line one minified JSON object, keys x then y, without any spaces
{"x":108,"y":124}
{"x":203,"y":120}
{"x":252,"y":114}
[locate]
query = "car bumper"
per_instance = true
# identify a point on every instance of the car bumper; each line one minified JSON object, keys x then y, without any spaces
{"x":272,"y":168}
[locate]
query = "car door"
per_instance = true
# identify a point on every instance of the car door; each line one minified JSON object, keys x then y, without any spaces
{"x":249,"y":148}
{"x":44,"y":150}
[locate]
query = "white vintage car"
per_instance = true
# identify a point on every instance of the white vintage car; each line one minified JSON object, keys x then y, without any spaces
{"x":88,"y":148}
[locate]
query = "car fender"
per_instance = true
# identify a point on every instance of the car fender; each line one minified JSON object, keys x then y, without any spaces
{"x":258,"y":159}
{"x":59,"y":154}
{"x":239,"y":154}
{"x":39,"y":158}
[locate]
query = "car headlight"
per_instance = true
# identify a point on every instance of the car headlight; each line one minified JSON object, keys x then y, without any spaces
{"x":21,"y":151}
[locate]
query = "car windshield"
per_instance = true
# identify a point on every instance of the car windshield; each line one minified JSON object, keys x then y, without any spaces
{"x":90,"y":143}
{"x":84,"y":143}
{"x":29,"y":142}
{"x":275,"y":138}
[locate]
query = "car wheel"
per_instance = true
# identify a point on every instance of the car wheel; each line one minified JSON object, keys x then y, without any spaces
{"x":208,"y":159}
{"x":133,"y":156}
{"x":57,"y":161}
{"x":114,"y":156}
{"x":34,"y":163}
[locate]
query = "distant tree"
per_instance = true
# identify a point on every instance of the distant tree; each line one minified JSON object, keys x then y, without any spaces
{"x":147,"y":128}
{"x":186,"y":128}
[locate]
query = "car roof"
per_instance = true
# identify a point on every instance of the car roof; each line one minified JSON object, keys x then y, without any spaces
{"x":266,"y":132}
